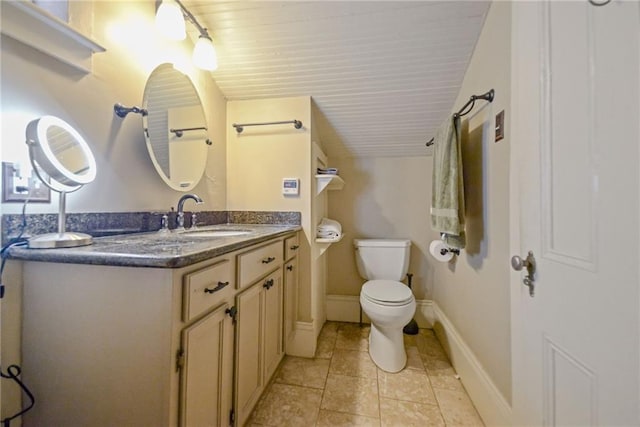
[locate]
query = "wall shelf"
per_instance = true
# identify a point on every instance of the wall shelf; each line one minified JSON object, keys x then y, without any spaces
{"x":35,"y":27}
{"x":323,"y":244}
{"x":336,"y":240}
{"x":329,"y":182}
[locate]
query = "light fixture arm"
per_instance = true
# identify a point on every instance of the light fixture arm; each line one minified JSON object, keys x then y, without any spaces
{"x":189,"y":17}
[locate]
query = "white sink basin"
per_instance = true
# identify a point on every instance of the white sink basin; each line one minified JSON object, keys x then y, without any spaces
{"x":215,"y":233}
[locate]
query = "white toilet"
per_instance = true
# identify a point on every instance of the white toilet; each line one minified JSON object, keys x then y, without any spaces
{"x":388,"y":302}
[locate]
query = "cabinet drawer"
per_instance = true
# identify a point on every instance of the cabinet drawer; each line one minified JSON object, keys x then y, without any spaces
{"x":291,"y":246}
{"x":205,"y":288}
{"x":258,"y":262}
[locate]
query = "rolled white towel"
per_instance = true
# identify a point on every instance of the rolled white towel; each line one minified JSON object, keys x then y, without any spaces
{"x":327,"y":224}
{"x":328,"y":229}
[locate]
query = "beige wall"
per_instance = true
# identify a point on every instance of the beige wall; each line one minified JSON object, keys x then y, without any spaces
{"x":383,"y":198}
{"x":258,"y":159}
{"x":33,"y":84}
{"x":390,"y":197}
{"x":260,"y":156}
{"x":473,"y":292}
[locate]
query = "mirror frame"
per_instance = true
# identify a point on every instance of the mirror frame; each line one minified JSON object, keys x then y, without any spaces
{"x":149,"y":143}
{"x":43,"y":158}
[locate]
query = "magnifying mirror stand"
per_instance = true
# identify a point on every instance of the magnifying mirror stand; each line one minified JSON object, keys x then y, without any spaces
{"x":61,"y":239}
{"x":63,"y":161}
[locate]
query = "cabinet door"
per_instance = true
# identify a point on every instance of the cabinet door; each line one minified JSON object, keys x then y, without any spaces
{"x":273,"y":348}
{"x":290,"y":299}
{"x":248,"y":369}
{"x":206,"y":375}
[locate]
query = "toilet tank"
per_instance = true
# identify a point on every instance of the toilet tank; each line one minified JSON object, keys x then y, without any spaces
{"x":382,"y":258}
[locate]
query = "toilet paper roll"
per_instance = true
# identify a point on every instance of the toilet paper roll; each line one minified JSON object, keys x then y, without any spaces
{"x":435,"y":249}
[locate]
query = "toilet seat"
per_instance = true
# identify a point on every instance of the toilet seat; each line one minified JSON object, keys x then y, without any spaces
{"x":387,"y":292}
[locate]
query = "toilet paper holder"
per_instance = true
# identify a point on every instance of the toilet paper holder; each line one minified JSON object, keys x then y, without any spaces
{"x":444,"y":251}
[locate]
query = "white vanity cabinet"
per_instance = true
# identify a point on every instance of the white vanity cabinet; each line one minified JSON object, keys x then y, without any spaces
{"x":109,"y":345}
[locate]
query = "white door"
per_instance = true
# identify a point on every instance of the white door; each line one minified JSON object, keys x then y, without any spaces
{"x":575,"y":196}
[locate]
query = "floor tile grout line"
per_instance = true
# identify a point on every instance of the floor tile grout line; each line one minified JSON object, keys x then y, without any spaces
{"x":435,"y":395}
{"x":333,"y":348}
{"x":326,"y":378}
{"x":324,"y":388}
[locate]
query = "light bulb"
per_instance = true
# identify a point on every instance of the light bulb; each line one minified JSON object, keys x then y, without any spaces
{"x":204,"y":54}
{"x":170,"y":21}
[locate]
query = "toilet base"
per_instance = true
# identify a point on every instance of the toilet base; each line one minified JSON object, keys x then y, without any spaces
{"x":386,"y":348}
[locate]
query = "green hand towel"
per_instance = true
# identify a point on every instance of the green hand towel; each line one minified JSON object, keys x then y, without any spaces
{"x":447,"y":201}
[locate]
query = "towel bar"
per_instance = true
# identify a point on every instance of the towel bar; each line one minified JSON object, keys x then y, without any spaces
{"x":488,"y":96}
{"x":240,"y":127}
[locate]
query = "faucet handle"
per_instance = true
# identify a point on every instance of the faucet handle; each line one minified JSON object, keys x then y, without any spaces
{"x":164,"y":224}
{"x":180,"y":220}
{"x":194,"y":220}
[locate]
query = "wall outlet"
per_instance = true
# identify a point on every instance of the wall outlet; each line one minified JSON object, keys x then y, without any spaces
{"x":499,"y":126}
{"x":20,"y":183}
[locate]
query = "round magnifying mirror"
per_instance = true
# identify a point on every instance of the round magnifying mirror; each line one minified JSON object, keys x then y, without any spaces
{"x":58,"y":150}
{"x":175,"y":128}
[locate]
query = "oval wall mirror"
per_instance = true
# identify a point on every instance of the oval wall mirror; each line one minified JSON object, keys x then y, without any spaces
{"x":175,"y":128}
{"x":59,"y":151}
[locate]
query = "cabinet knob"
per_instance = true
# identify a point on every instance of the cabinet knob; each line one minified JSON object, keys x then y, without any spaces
{"x":232,"y":312}
{"x":290,"y":267}
{"x":268,"y":260}
{"x":219,"y":286}
{"x":294,"y":247}
{"x":267,"y":284}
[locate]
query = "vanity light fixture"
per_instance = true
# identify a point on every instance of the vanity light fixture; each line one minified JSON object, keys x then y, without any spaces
{"x":170,"y":19}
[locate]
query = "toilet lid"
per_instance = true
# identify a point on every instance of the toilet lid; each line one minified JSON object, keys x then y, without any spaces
{"x":387,"y":292}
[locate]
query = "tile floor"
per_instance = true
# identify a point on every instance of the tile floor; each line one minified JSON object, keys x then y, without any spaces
{"x":341,"y":386}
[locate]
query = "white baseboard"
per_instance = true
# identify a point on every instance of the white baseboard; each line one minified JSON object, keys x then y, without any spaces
{"x":303,"y":340}
{"x":490,"y":403}
{"x":346,"y":308}
{"x":425,"y":317}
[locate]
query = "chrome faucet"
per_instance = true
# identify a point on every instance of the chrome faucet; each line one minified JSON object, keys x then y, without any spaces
{"x":180,"y":217}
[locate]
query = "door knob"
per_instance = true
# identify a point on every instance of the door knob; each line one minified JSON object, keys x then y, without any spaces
{"x":517,"y":263}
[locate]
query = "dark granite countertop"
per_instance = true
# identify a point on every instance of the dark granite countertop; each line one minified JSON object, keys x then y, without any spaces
{"x":154,"y":249}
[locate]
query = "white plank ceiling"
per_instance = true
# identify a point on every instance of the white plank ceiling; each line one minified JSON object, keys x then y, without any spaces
{"x":383,"y":75}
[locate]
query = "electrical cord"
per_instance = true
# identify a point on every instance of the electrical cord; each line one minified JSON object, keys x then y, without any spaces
{"x":14,"y":371}
{"x":16,"y":241}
